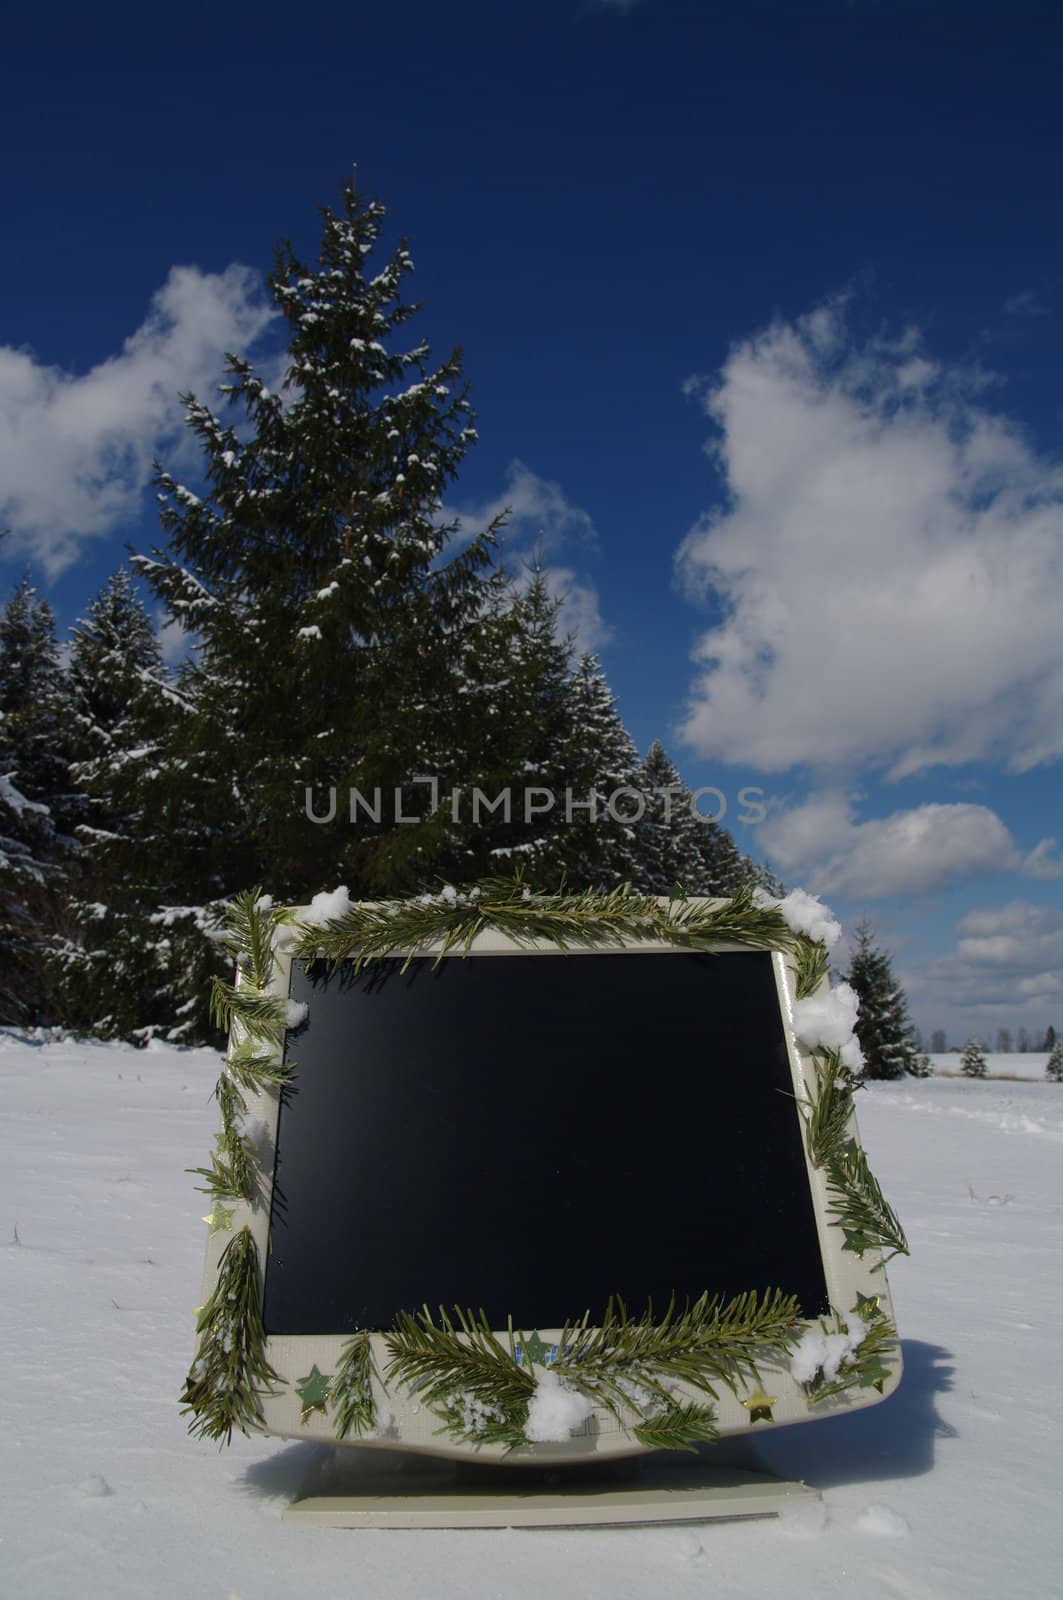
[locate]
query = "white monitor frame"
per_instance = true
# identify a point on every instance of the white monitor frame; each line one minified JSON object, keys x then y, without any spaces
{"x":850,"y":1277}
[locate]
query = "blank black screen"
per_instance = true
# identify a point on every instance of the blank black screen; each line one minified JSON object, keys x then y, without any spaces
{"x":531,"y":1134}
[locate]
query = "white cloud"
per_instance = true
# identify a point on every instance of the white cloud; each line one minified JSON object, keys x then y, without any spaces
{"x":1007,"y":956}
{"x":76,"y":449}
{"x":539,"y":513}
{"x":542,"y":521}
{"x":580,"y":613}
{"x":909,"y":852}
{"x":1044,"y":861}
{"x":887,"y":564}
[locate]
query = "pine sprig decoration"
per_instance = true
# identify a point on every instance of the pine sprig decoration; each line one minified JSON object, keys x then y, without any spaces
{"x":260,"y":1016}
{"x":230,"y":1370}
{"x":826,"y":1114}
{"x":708,"y":1343}
{"x":858,"y":1205}
{"x":231,"y":1174}
{"x":861,"y":1209}
{"x":463,"y":1372}
{"x":678,"y":1427}
{"x":351,"y":1391}
{"x":253,"y":1069}
{"x":737,"y":920}
{"x":250,"y":922}
{"x":812,"y":964}
{"x":452,"y":920}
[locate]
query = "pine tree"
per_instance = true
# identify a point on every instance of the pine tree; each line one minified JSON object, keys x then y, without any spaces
{"x":1054,"y":1064}
{"x":921,"y":1067}
{"x":125,"y":964}
{"x":310,"y":570}
{"x":336,"y":635}
{"x":973,"y":1063}
{"x":38,"y":807}
{"x":670,"y":837}
{"x":602,"y":762}
{"x":512,"y":730}
{"x":675,"y":845}
{"x":883,"y":1027}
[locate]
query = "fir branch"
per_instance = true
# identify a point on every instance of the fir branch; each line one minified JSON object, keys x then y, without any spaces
{"x":463,"y":1373}
{"x":860,"y":1207}
{"x":249,"y":935}
{"x":737,"y":920}
{"x":231,"y":1174}
{"x":452,"y":920}
{"x":708,"y":1343}
{"x":231,"y":1102}
{"x":223,"y":1388}
{"x":866,"y":1367}
{"x":351,"y":1391}
{"x":255,"y":1070}
{"x":679,"y":1427}
{"x":813,"y":964}
{"x":826,"y":1114}
{"x":261,"y":1016}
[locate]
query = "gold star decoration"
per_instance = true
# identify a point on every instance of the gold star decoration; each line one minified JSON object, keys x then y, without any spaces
{"x":313,"y":1391}
{"x":867,"y":1307}
{"x":873,"y":1375}
{"x":759,"y":1405}
{"x":220,"y":1220}
{"x":856,"y":1241}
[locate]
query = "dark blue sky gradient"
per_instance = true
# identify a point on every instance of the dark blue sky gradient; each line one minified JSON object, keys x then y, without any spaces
{"x":599,"y":202}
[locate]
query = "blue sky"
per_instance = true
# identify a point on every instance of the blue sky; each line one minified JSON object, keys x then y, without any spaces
{"x":762,"y":306}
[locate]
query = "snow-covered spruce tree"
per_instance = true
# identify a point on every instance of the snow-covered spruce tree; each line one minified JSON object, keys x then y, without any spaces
{"x":335,"y":634}
{"x":1054,"y":1064}
{"x":675,"y":845}
{"x":883,"y":1027}
{"x":603,"y":851}
{"x":973,"y":1061}
{"x":510,"y":728}
{"x":921,"y":1067}
{"x":38,"y":808}
{"x":126,"y":962}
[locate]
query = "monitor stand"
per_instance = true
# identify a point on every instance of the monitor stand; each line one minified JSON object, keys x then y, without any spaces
{"x":358,"y":1488}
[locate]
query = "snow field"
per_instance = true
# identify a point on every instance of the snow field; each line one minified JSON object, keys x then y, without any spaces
{"x":948,"y":1489}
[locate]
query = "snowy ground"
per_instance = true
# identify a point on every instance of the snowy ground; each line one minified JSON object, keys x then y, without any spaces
{"x":950,"y":1488}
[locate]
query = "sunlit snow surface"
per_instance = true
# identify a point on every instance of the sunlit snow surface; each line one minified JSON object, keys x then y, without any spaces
{"x":951,"y":1488}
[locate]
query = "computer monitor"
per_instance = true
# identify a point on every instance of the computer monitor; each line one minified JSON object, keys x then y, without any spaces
{"x":538,"y":1204}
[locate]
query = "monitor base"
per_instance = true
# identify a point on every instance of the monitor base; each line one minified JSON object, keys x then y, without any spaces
{"x":419,"y":1492}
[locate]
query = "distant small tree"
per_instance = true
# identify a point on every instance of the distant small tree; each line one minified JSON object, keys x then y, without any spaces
{"x":921,"y":1067}
{"x":973,"y":1064}
{"x":1004,"y":1041}
{"x":938,"y":1042}
{"x":1022,"y":1041}
{"x":1049,"y":1041}
{"x":1054,"y":1067}
{"x":882,"y":1025}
